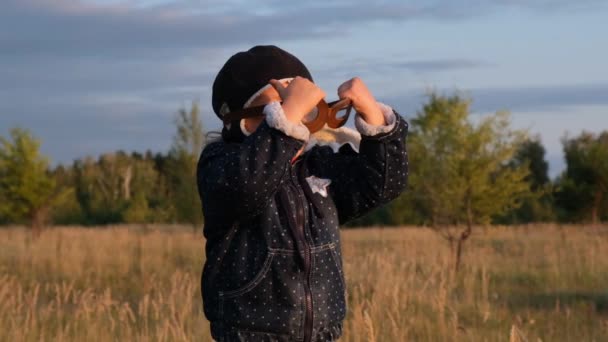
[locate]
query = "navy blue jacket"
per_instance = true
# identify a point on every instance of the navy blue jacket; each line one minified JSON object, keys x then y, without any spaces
{"x":273,"y":269}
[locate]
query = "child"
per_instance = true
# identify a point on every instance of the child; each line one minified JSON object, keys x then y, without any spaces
{"x":274,"y":197}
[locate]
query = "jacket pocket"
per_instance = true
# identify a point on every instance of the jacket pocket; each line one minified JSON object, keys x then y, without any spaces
{"x":253,"y":282}
{"x":328,"y":286}
{"x":272,"y":301}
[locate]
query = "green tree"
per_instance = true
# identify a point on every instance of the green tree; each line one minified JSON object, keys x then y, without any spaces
{"x":137,"y":210}
{"x":583,"y":188}
{"x":181,"y":166}
{"x":539,"y":207}
{"x":119,"y":187}
{"x":150,"y":196}
{"x":103,"y":187}
{"x":459,"y":172}
{"x":189,"y":137}
{"x":66,"y":210}
{"x":27,"y":190}
{"x":533,"y":152}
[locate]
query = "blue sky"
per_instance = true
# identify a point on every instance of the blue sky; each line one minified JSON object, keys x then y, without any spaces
{"x":89,"y":77}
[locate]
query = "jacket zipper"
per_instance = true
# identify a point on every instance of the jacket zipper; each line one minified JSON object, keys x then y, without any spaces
{"x":300,"y":219}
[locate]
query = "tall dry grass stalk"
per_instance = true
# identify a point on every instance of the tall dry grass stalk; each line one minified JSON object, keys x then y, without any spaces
{"x":131,"y":284}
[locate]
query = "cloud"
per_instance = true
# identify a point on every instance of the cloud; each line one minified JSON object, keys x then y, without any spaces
{"x":550,"y":111}
{"x":560,"y":98}
{"x":67,"y":28}
{"x":89,"y":77}
{"x":425,"y":66}
{"x":551,"y":98}
{"x":75,"y":129}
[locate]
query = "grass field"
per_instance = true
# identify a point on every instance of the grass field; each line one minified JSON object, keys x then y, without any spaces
{"x":127,"y":283}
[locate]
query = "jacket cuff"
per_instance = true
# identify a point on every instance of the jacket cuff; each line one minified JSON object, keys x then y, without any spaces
{"x":275,"y":117}
{"x":243,"y":129}
{"x":370,"y":130}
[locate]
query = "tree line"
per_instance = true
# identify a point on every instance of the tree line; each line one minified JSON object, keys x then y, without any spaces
{"x":115,"y":187}
{"x":463,"y":172}
{"x":466,"y":173}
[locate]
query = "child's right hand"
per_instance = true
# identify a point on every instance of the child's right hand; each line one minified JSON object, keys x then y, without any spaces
{"x":299,"y":97}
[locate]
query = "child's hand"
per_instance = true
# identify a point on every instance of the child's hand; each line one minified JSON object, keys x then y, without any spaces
{"x":299,"y":97}
{"x":363,"y":101}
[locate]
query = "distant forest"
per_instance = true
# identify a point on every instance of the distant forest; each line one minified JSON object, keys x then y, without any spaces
{"x":461,"y":173}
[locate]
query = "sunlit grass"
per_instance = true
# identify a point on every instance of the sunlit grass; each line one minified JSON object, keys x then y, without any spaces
{"x":128,"y":283}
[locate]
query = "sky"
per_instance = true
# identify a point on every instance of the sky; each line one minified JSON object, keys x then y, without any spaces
{"x":88,"y":77}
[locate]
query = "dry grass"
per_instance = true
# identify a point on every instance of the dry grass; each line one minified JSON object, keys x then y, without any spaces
{"x":545,"y":283}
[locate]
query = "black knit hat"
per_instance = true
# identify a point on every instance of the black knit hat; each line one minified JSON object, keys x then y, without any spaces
{"x":248,"y":71}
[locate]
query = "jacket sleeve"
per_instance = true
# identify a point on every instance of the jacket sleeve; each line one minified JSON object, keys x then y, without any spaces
{"x":377,"y":174}
{"x":238,"y":180}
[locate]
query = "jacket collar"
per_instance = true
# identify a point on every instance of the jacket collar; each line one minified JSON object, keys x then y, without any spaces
{"x":334,"y":138}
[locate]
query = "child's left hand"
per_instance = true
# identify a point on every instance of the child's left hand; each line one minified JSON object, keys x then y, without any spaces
{"x":363,"y":101}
